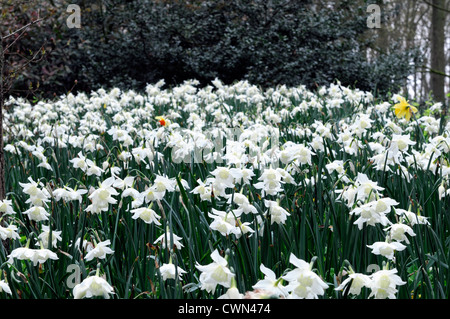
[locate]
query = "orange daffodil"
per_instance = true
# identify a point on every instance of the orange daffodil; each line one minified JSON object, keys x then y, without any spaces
{"x":162,"y":120}
{"x":404,"y":109}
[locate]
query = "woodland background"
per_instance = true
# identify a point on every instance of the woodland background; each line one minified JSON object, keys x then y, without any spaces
{"x":128,"y":44}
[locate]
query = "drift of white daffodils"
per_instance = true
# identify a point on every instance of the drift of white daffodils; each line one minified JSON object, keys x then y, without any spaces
{"x":255,"y":155}
{"x":93,"y":286}
{"x":102,"y":197}
{"x":40,"y":255}
{"x":303,"y":283}
{"x":215,"y":273}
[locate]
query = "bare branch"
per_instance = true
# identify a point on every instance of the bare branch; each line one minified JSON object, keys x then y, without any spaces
{"x":33,"y":59}
{"x":437,"y":7}
{"x":23,"y":28}
{"x":430,"y":70}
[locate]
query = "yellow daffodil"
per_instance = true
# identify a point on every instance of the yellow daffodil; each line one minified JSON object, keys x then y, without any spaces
{"x":404,"y":109}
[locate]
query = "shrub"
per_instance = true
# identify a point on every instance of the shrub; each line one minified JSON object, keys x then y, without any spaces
{"x":133,"y":43}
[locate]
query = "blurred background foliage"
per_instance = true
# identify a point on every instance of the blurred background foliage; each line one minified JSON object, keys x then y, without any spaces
{"x":128,"y":44}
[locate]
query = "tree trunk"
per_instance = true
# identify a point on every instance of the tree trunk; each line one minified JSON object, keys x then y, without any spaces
{"x":383,"y":32}
{"x":438,"y":58}
{"x":2,"y":155}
